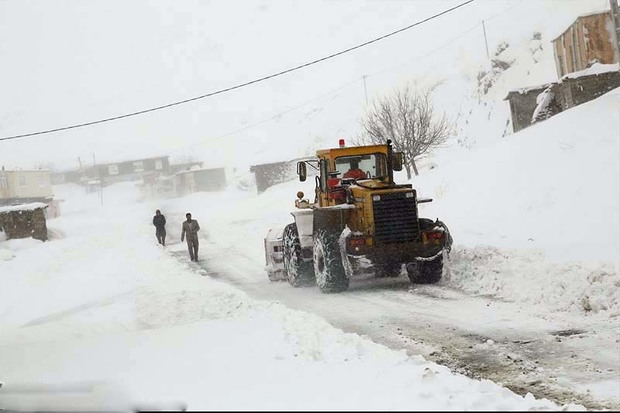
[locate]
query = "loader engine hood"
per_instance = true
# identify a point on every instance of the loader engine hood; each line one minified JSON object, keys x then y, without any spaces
{"x":384,"y":211}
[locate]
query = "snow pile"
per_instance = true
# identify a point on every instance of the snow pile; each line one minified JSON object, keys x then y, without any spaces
{"x":132,"y":324}
{"x":541,"y":229}
{"x":552,"y":191}
{"x":526,"y":277}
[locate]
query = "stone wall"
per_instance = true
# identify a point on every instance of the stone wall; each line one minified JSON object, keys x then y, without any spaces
{"x":522,"y":106}
{"x":273,"y":173}
{"x":24,"y":224}
{"x":575,"y":91}
{"x":568,"y":93}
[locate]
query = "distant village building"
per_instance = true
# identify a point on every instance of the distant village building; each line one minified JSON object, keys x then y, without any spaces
{"x":270,"y":174}
{"x":200,"y":180}
{"x":27,"y":186}
{"x":184,"y":182}
{"x":23,"y":221}
{"x":530,"y":105}
{"x":523,"y":104}
{"x":131,"y":170}
{"x":109,"y":173}
{"x":590,"y":39}
{"x":586,"y":58}
{"x":23,"y":186}
{"x":69,"y":176}
{"x":185,"y":166}
{"x":581,"y":87}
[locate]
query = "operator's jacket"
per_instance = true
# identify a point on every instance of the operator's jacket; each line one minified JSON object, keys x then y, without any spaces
{"x":190,"y":230}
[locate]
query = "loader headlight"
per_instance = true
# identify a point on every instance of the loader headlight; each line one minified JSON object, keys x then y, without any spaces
{"x":409,"y":194}
{"x":376,"y":197}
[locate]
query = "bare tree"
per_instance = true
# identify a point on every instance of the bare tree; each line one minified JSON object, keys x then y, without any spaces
{"x":409,"y":119}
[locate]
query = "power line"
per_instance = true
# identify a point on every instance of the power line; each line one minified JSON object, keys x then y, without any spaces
{"x":363,"y":78}
{"x":272,"y":117}
{"x":505,"y":10}
{"x":448,"y":43}
{"x":228,"y":89}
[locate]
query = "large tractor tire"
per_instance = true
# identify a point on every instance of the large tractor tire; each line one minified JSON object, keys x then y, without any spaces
{"x":425,"y":272}
{"x":298,"y":272}
{"x":387,"y":269}
{"x":330,"y":274}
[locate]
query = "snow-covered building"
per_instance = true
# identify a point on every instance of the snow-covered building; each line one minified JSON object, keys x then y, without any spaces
{"x":269,"y":174}
{"x":24,"y":186}
{"x":523,"y":103}
{"x":200,"y":180}
{"x":590,"y":39}
{"x":184,"y":182}
{"x":537,"y":103}
{"x":112,"y":172}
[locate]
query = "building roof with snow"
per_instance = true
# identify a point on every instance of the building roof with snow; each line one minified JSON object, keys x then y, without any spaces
{"x":595,"y":69}
{"x":23,"y":207}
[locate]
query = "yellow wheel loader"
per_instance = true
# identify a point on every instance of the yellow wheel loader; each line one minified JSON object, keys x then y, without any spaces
{"x":360,"y":222}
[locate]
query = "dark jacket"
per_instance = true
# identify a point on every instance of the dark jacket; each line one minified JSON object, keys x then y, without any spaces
{"x":190,"y":228}
{"x":159,"y":221}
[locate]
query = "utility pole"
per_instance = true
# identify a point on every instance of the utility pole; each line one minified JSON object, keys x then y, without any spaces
{"x":486,"y":43}
{"x":615,"y":17}
{"x":365,"y":91}
{"x":82,"y":178}
{"x":98,"y":179}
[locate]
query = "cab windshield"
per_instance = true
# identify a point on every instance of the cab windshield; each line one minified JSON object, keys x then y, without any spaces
{"x":361,"y":166}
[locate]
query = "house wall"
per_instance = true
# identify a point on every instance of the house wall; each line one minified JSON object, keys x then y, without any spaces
{"x":583,"y":89}
{"x":25,"y":184}
{"x":273,"y":173}
{"x":522,"y":106}
{"x":128,"y":170}
{"x":185,"y":183}
{"x":174,"y":168}
{"x":58,"y":178}
{"x":570,"y":92}
{"x":588,"y":38}
{"x":24,"y":224}
{"x":210,"y":180}
{"x":200,"y":180}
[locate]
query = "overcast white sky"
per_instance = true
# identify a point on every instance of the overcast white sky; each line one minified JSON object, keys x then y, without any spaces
{"x":68,"y":62}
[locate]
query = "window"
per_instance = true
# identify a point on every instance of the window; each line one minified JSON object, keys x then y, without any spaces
{"x":22,"y":180}
{"x":324,"y":167}
{"x":4,"y":183}
{"x":113,"y":169}
{"x":138,"y":166}
{"x":374,"y":165}
{"x":159,"y":164}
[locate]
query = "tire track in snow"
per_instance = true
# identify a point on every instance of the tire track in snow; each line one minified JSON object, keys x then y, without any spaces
{"x":481,"y":337}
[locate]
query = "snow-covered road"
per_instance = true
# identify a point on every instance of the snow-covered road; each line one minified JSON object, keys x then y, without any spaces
{"x":511,"y":316}
{"x":102,"y":301}
{"x":563,"y":359}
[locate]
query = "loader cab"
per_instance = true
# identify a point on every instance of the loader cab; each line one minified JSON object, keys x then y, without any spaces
{"x":340,"y":167}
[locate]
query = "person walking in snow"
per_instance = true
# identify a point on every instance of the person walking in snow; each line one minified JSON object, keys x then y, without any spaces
{"x":159,"y":220}
{"x":190,"y":231}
